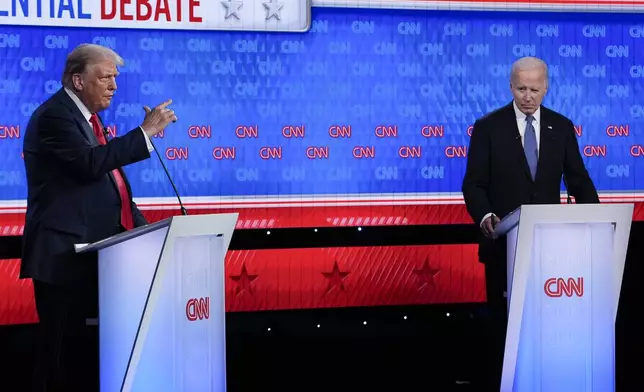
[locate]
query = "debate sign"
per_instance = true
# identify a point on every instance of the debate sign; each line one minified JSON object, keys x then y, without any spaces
{"x":261,"y":15}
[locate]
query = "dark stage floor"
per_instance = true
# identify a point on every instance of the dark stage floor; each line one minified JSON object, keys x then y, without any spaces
{"x":417,"y":348}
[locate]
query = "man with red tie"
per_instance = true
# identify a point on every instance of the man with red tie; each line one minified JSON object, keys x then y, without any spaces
{"x":77,"y":193}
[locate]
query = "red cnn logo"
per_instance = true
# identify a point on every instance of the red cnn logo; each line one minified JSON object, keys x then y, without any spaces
{"x":198,"y":309}
{"x":556,"y":287}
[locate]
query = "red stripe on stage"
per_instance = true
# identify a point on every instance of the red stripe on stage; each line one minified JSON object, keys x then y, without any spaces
{"x":347,"y":277}
{"x":262,"y":280}
{"x":17,"y":304}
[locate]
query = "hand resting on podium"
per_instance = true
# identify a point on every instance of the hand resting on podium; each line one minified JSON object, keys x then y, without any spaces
{"x":488,"y":224}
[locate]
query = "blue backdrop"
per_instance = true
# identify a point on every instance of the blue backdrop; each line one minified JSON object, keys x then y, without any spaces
{"x":405,"y":85}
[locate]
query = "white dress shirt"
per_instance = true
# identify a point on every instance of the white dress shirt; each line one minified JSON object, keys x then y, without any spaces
{"x":87,"y":114}
{"x":522,"y":124}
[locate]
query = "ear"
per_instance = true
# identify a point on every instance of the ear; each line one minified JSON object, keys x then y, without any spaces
{"x":77,"y":81}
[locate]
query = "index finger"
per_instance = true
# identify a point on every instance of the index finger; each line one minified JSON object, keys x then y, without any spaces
{"x":164,"y":104}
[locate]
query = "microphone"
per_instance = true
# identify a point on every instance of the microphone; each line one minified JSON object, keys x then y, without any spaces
{"x":568,"y":200}
{"x":174,"y":187}
{"x":563,"y":174}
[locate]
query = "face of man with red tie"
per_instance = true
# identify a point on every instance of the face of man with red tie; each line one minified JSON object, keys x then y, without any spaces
{"x":90,"y":72}
{"x":529,"y":83}
{"x":97,"y":85}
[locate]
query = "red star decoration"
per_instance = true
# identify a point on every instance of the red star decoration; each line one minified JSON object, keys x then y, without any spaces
{"x":244,"y":280}
{"x":426,"y":275}
{"x":335,"y":278}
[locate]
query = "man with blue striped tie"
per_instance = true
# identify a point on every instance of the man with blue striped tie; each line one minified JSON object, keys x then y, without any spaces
{"x":518,"y":155}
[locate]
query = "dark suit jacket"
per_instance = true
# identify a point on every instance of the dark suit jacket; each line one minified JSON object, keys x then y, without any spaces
{"x":498,"y":180}
{"x":72,"y":196}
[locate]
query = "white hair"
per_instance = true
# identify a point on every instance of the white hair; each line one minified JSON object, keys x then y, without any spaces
{"x":526,"y":63}
{"x":85,"y":56}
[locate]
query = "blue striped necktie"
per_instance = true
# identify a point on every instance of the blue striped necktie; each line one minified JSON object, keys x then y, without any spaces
{"x":530,"y":146}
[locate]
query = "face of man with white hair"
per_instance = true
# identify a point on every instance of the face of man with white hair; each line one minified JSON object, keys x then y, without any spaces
{"x":97,"y":85}
{"x":529,"y":84}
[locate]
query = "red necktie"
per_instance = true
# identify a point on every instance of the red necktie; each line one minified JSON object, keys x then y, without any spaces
{"x":126,"y":211}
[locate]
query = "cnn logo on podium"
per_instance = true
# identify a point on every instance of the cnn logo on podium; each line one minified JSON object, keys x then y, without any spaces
{"x":198,"y":309}
{"x":557,"y":287}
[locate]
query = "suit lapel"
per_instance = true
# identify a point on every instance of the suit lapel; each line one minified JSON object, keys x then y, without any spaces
{"x":546,"y":140}
{"x":100,"y":121}
{"x":120,"y":169}
{"x":86,"y":129}
{"x":515,"y":140}
{"x":88,"y":132}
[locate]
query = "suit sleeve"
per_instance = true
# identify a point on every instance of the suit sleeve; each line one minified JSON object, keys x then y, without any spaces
{"x":139,"y":219}
{"x":61,"y":140}
{"x":580,"y":185}
{"x":477,"y":174}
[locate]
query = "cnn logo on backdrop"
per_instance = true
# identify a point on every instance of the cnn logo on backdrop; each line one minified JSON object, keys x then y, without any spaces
{"x":198,"y":309}
{"x":558,"y":287}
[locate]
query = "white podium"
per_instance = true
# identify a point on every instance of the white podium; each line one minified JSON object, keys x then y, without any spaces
{"x":565,"y":266}
{"x":162,"y":305}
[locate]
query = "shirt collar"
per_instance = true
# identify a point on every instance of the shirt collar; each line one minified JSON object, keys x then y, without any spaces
{"x":81,"y":106}
{"x":521,"y":116}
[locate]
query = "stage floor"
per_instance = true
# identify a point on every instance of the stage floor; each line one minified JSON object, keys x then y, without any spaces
{"x":415,"y":348}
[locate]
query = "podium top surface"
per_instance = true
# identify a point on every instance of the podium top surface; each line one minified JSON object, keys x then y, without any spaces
{"x":563,"y":213}
{"x":507,"y":223}
{"x":122,"y":237}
